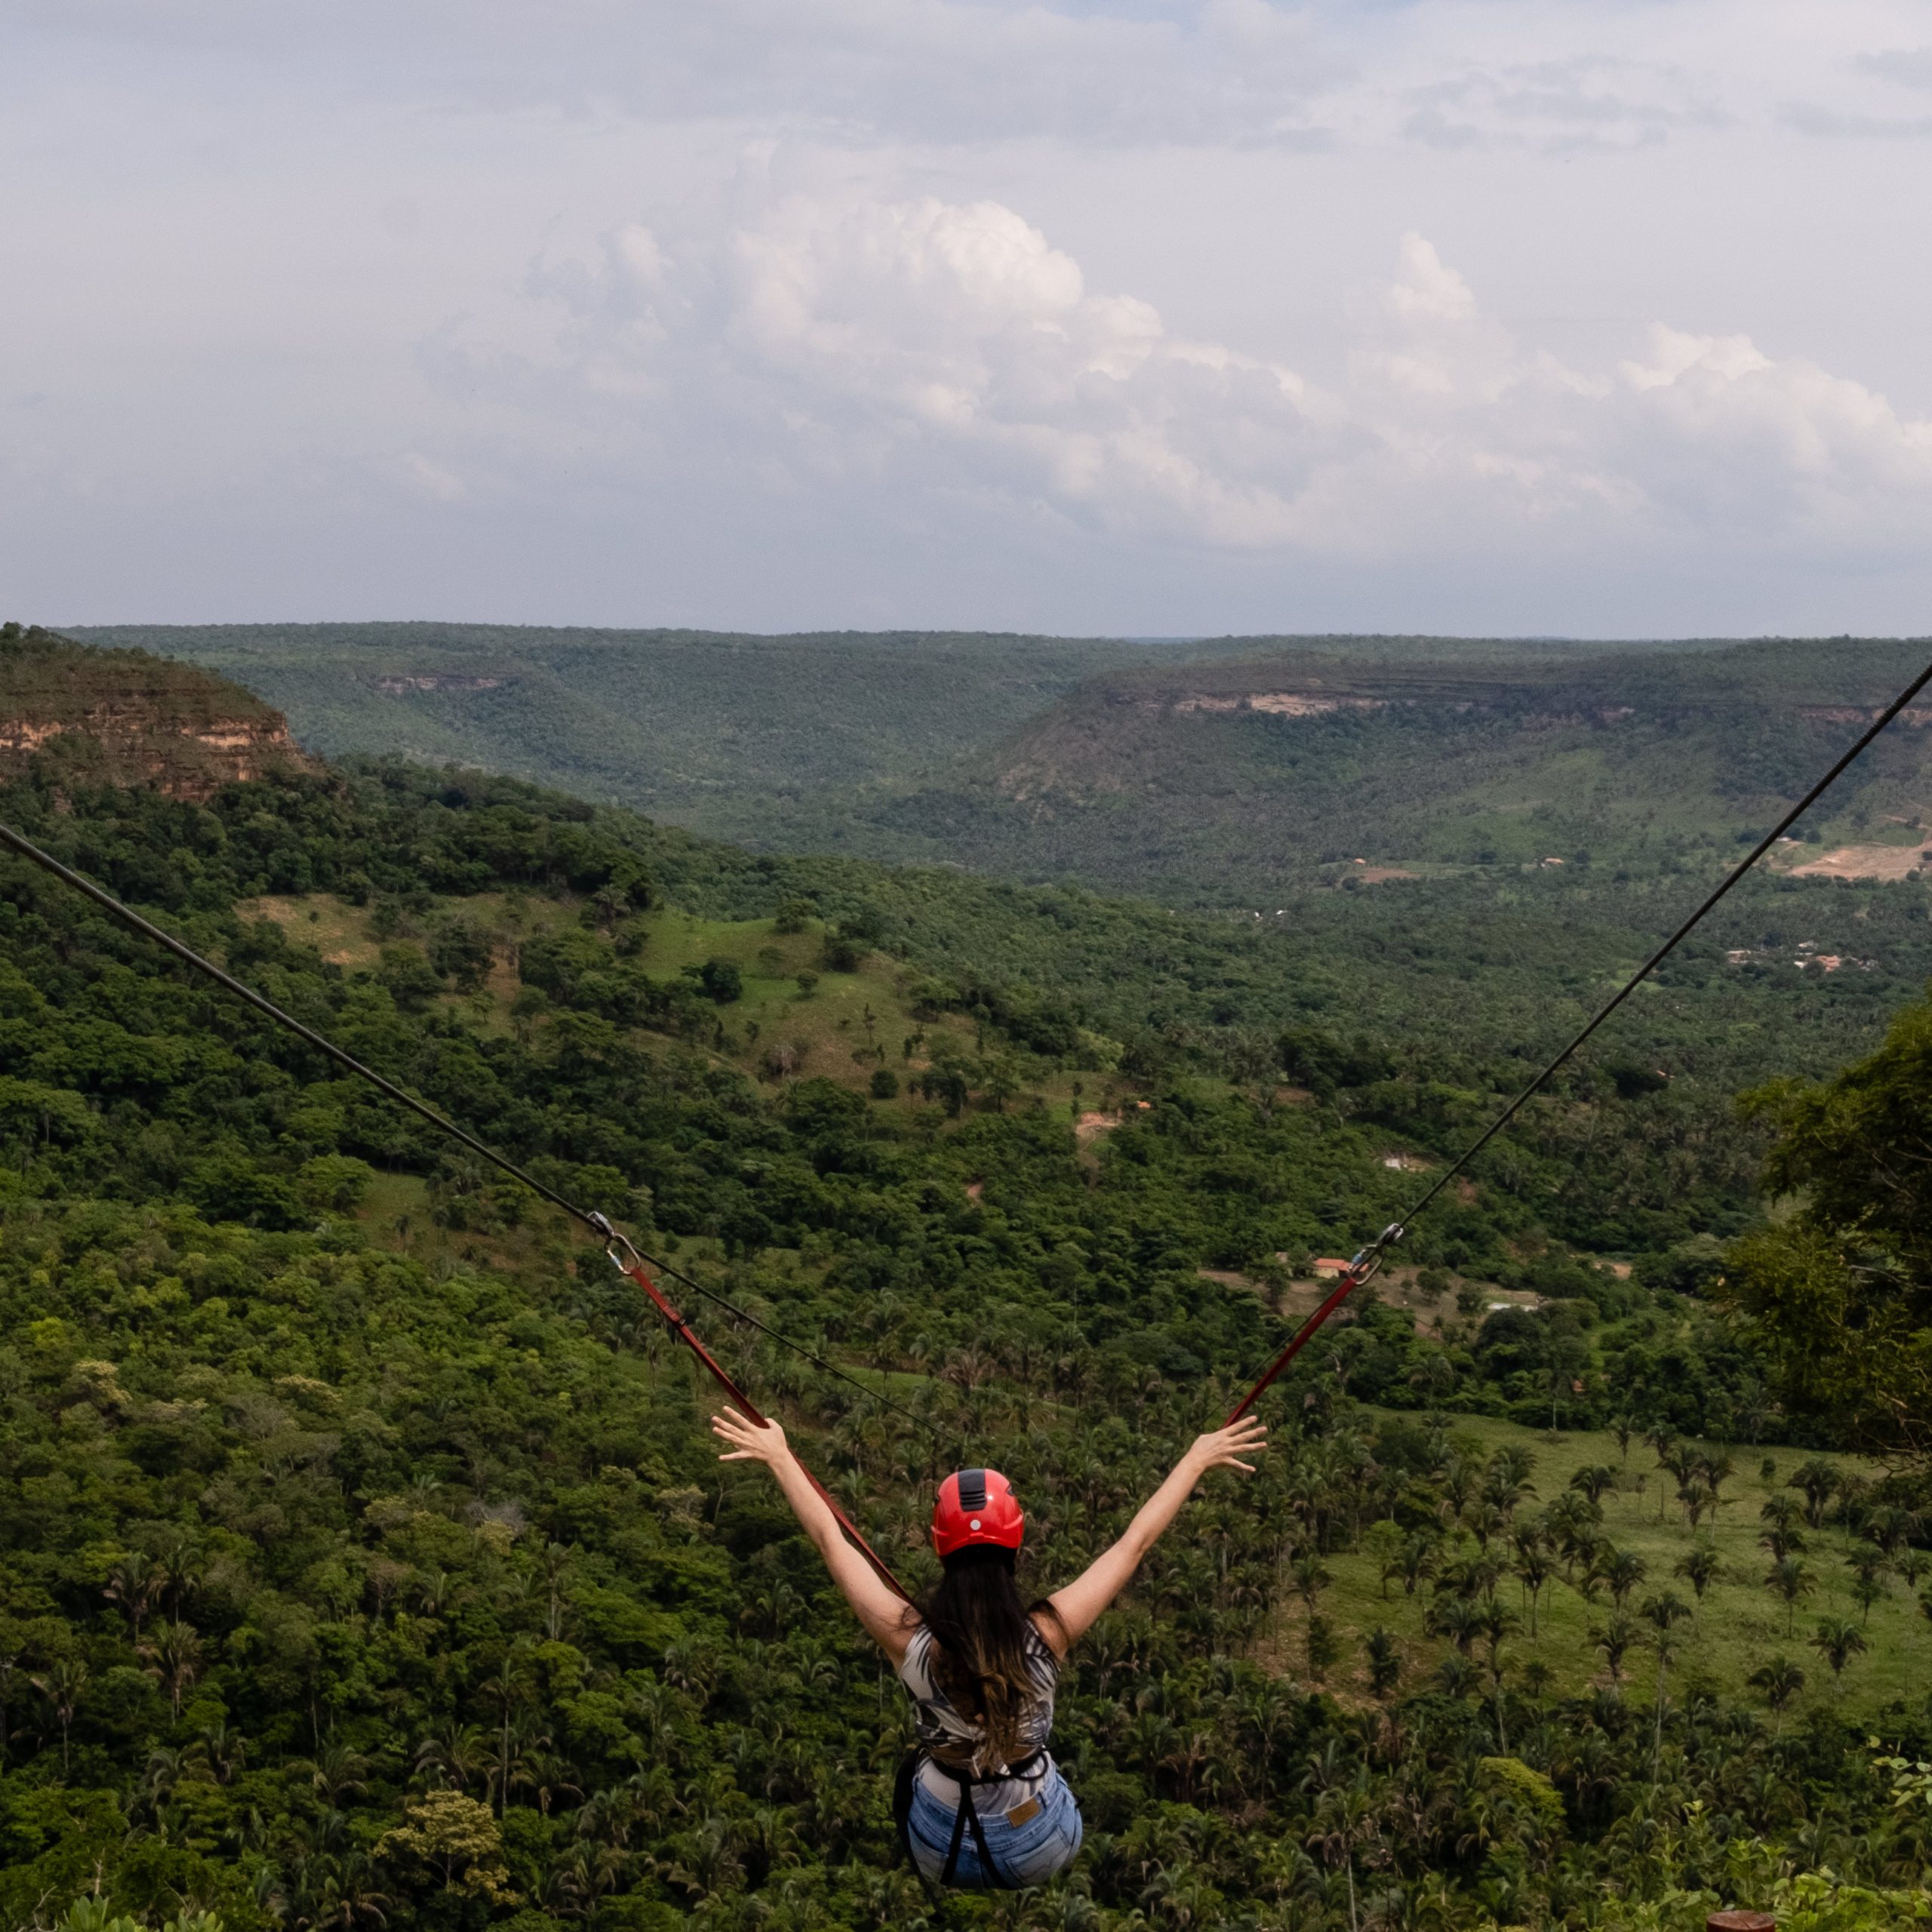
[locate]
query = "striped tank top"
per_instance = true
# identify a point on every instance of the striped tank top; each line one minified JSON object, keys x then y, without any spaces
{"x":948,"y":1736}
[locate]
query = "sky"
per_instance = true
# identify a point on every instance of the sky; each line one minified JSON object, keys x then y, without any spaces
{"x":1157,"y":318}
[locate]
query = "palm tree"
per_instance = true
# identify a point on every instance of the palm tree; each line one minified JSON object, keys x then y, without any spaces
{"x":1614,"y":1639}
{"x":1498,"y":1621}
{"x":1662,"y":1442}
{"x":1456,"y":1618}
{"x":1699,"y":1567}
{"x":1321,"y":1646}
{"x":1816,"y":1478}
{"x":173,"y":1660}
{"x":1571,"y":1521}
{"x":453,"y":1754}
{"x":1781,"y":1535}
{"x":1662,"y":1612}
{"x":133,"y":1584}
{"x":1384,"y":1543}
{"x":1311,"y":1578}
{"x":1418,"y":1561}
{"x":1506,"y":1482}
{"x":1594,"y":1480}
{"x":1888,"y":1526}
{"x":1437,"y":1376}
{"x":1623,"y":1571}
{"x":1385,"y":1663}
{"x":1868,"y":1566}
{"x":1485,"y":1519}
{"x":1718,"y":1470}
{"x":1344,"y":1816}
{"x":1777,"y":1682}
{"x":1694,"y":1493}
{"x":1837,"y":1640}
{"x":62,"y":1685}
{"x":1533,"y":1569}
{"x":1790,"y":1579}
{"x":181,"y":1573}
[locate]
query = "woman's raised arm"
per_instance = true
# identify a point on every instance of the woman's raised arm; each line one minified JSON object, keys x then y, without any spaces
{"x":1083,"y":1600}
{"x":882,"y":1613}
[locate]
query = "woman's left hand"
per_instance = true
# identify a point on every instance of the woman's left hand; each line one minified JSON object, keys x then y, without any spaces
{"x":750,"y":1443}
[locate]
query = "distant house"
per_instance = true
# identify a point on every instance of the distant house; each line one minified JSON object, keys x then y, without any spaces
{"x":1328,"y":1268}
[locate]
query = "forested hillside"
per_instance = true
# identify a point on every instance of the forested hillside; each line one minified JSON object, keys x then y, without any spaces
{"x":726,"y":732}
{"x":1241,"y":781}
{"x":1229,"y":773}
{"x":869,"y":743}
{"x":364,"y":1562}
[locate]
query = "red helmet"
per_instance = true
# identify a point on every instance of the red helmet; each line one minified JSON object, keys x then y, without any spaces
{"x":976,"y":1506}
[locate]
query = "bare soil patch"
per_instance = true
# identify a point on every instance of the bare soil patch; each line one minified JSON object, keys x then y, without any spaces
{"x":1230,"y":1278}
{"x":1888,"y":863}
{"x":1090,"y":1127}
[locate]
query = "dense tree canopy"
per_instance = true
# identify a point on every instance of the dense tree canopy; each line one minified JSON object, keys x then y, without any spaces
{"x":363,"y":1562}
{"x":1842,"y":1288}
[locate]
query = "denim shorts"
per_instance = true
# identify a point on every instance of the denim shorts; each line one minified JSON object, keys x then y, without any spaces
{"x":1028,"y":1854}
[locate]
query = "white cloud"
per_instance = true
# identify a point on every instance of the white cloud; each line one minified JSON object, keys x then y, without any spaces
{"x":924,"y":348}
{"x":1078,"y":312}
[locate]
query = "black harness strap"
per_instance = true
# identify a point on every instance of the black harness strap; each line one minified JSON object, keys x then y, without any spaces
{"x":968,"y":1813}
{"x":965,"y":1813}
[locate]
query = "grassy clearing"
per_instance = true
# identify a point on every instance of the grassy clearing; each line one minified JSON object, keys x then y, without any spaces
{"x":835,"y":1026}
{"x":832,"y":1025}
{"x":1739,"y":1626}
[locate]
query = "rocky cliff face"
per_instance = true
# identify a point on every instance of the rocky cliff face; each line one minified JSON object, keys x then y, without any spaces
{"x":127,"y":718}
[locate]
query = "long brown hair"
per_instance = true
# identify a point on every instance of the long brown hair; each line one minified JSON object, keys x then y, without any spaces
{"x":983,"y":1658}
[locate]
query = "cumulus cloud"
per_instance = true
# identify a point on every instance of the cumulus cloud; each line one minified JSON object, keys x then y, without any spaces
{"x":857,"y":307}
{"x":920,"y":347}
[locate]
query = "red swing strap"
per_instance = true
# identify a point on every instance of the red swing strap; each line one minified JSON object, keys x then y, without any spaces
{"x":1365,"y":1264}
{"x":633,"y":1269}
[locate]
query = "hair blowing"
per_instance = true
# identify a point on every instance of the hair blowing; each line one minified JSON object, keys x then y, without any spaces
{"x":980,"y":1627}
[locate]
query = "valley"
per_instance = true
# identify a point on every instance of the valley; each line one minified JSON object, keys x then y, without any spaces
{"x":351,"y":1494}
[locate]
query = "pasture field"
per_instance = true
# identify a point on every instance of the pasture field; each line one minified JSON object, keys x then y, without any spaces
{"x":1738,"y":1625}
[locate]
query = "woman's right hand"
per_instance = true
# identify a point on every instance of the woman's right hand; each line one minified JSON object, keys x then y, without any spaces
{"x":1223,"y":1448}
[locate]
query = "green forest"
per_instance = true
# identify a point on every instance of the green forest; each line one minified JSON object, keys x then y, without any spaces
{"x":1235,"y":774}
{"x":364,"y":1562}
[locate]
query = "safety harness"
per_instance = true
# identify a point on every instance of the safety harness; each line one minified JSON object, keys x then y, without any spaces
{"x":965,"y":1815}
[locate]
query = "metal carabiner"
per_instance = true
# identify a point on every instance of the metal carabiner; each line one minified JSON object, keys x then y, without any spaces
{"x":1367,"y":1262}
{"x":613,"y":1241}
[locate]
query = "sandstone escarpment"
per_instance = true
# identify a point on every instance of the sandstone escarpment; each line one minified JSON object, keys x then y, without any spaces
{"x":127,"y":718}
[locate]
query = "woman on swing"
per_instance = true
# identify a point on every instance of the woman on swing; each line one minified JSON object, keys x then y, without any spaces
{"x":983,"y":1802}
